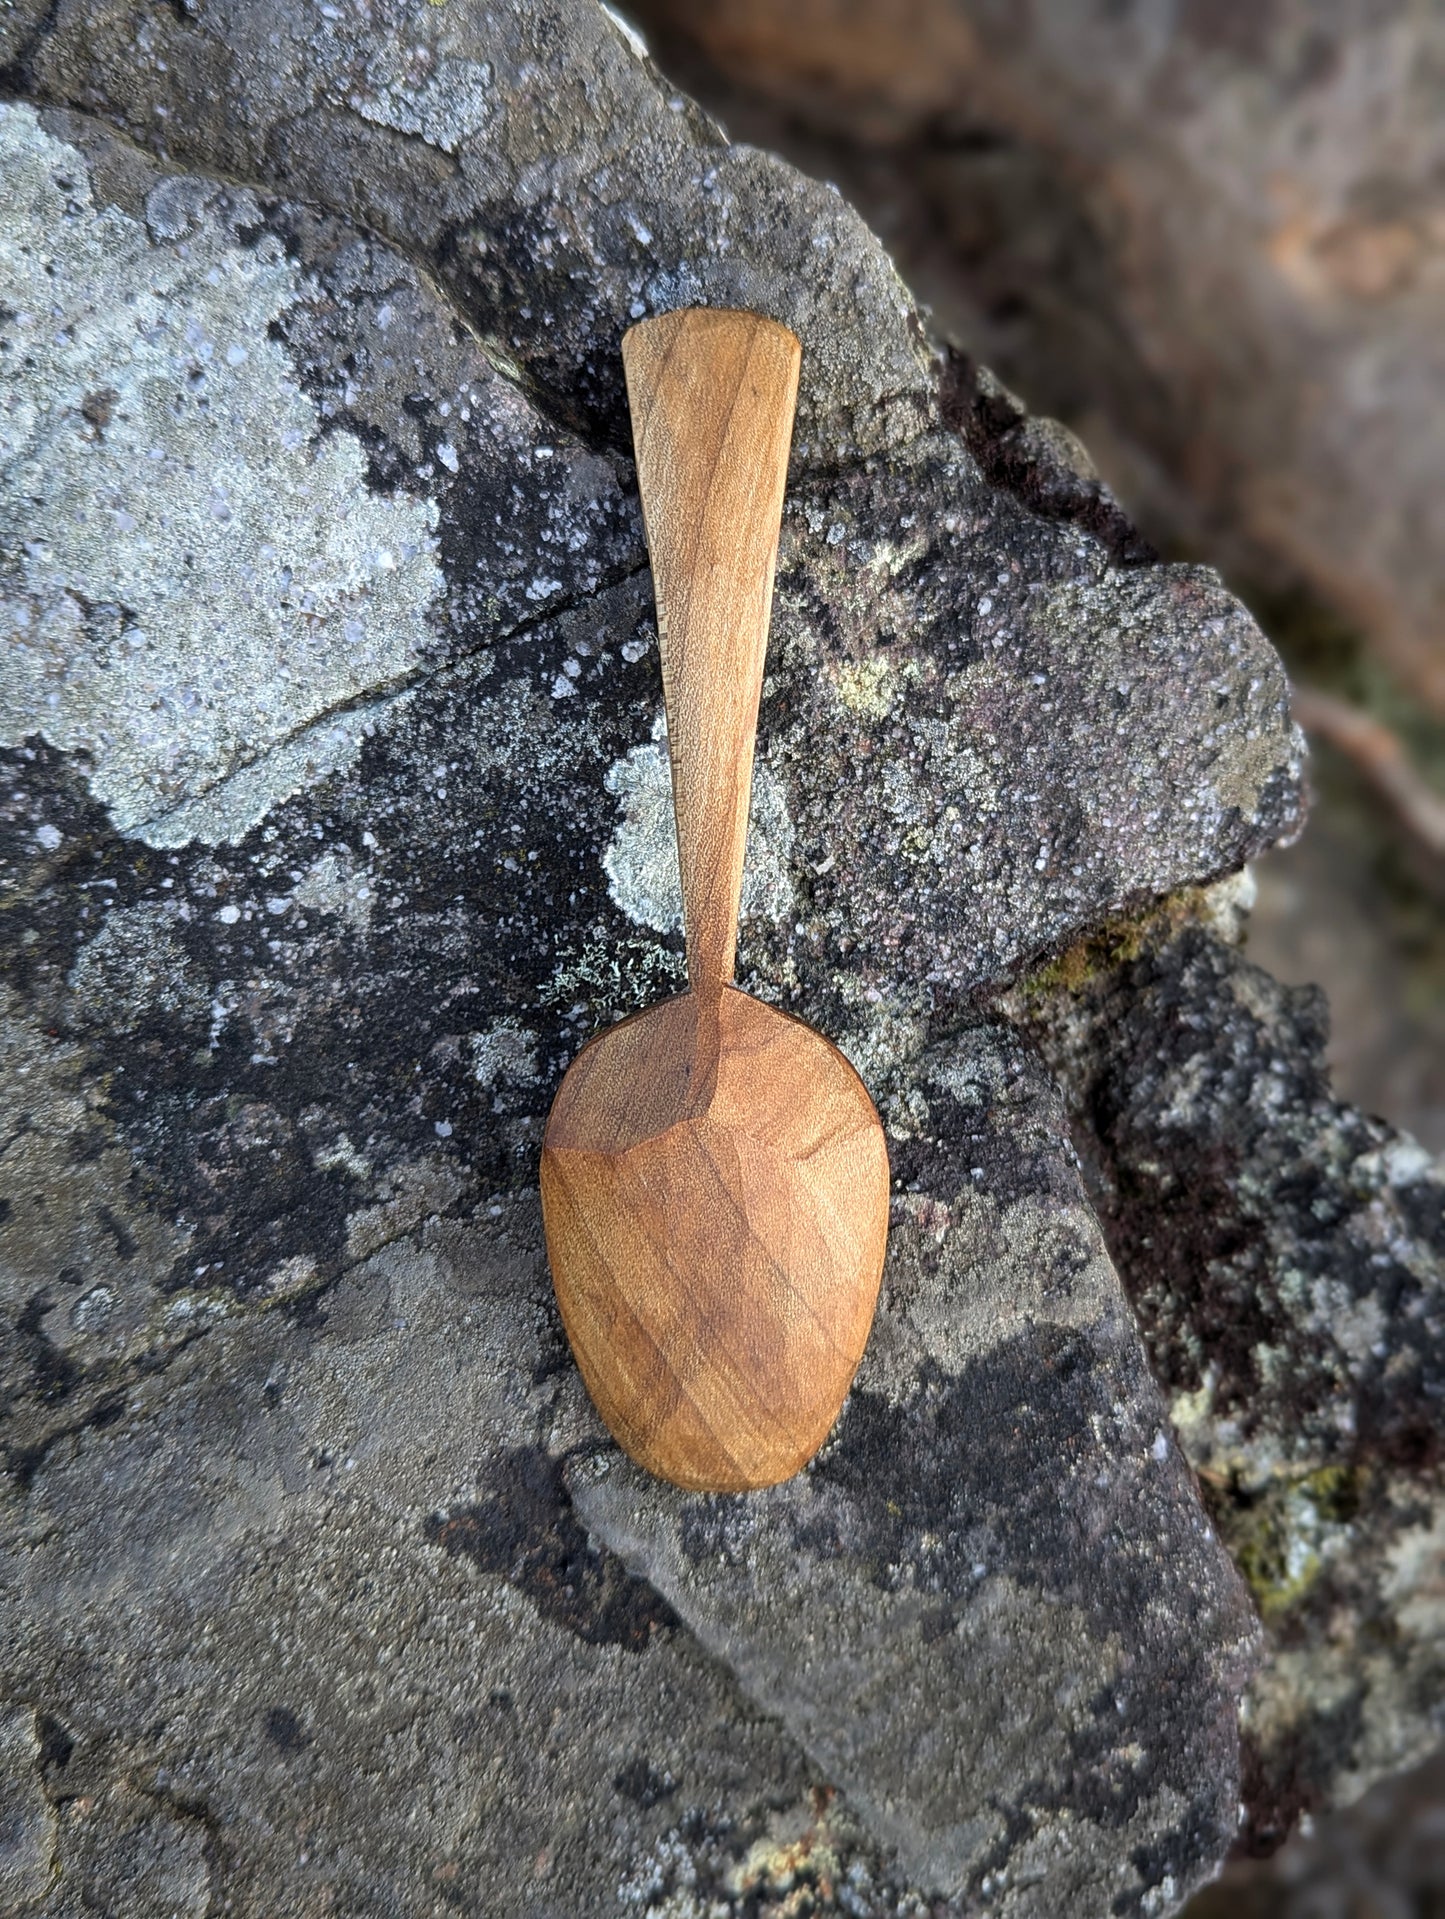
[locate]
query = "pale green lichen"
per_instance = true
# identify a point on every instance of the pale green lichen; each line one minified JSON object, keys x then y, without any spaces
{"x":882,"y":1037}
{"x":611,"y":978}
{"x":641,"y":860}
{"x":505,"y":1054}
{"x":1282,"y":1537}
{"x":866,"y":686}
{"x":194,"y":582}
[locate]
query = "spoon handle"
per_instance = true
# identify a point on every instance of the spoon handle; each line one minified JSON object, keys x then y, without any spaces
{"x":712,"y":394}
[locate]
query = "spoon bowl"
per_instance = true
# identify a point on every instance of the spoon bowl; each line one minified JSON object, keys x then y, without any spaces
{"x":715,"y":1186}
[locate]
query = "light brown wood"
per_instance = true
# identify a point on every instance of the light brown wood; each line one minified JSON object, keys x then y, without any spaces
{"x":715,"y":1189}
{"x":712,"y":395}
{"x":714,"y":1177}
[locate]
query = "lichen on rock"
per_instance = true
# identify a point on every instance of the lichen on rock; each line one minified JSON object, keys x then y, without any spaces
{"x":1286,"y":1258}
{"x":194,"y":576}
{"x":310,"y":1528}
{"x":641,"y":858}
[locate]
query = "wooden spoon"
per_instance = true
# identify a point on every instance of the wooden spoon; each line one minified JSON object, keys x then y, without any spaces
{"x":714,"y":1177}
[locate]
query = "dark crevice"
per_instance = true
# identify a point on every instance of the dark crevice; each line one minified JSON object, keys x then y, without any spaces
{"x":1002,"y":436}
{"x":22,"y":1463}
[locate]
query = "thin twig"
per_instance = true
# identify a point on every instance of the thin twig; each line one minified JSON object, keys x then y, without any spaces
{"x":1380,"y":756}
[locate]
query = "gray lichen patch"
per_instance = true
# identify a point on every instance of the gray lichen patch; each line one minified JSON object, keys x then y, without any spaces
{"x":435,"y":92}
{"x":136,"y":968}
{"x":641,"y":858}
{"x":882,"y":1033}
{"x":225,"y":812}
{"x":191,"y":577}
{"x":337,"y":883}
{"x":507,"y":1052}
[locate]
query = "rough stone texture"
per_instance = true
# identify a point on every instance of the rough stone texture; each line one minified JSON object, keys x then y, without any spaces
{"x":1000,"y":1518}
{"x":555,"y":185}
{"x":1211,"y":234}
{"x":349,"y":1649}
{"x":1285,"y":1257}
{"x":308,"y":1599}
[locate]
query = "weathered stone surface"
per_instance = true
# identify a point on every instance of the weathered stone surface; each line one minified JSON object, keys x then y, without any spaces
{"x":1285,"y":1256}
{"x":325,"y":851}
{"x":313,"y":1627}
{"x":537,"y":162}
{"x":1002,"y":1517}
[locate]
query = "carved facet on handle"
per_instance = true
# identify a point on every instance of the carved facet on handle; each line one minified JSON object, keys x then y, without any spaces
{"x":712,"y":394}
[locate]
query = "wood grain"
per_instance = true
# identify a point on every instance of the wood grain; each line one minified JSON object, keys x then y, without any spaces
{"x":714,"y":1177}
{"x":715,"y":1190}
{"x":712,"y":395}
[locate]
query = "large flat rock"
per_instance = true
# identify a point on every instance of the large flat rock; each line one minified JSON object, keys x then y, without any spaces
{"x":336,"y":820}
{"x":1002,"y":1521}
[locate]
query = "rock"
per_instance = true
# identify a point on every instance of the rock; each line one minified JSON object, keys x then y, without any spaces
{"x":1285,"y":1257}
{"x":350,"y":1643}
{"x":573,"y":183}
{"x":332,"y":829}
{"x":1001,"y":1519}
{"x":27,"y":1825}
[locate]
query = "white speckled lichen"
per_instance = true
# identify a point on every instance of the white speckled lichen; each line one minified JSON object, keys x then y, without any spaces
{"x":191,"y":578}
{"x":434,"y":93}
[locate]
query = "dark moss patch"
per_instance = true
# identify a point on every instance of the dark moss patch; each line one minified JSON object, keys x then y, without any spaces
{"x":1282,"y":1780}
